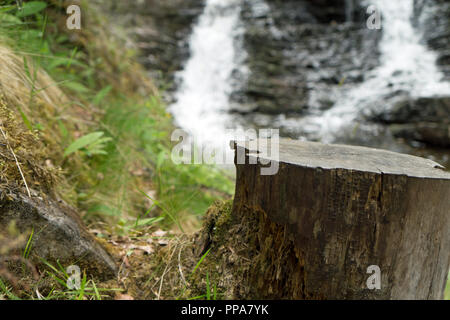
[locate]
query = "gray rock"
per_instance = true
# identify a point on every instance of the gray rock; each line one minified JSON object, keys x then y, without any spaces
{"x":59,"y":234}
{"x":161,"y":29}
{"x":302,"y":46}
{"x":427,"y":109}
{"x":424,"y":119}
{"x":436,"y":134}
{"x":433,"y":17}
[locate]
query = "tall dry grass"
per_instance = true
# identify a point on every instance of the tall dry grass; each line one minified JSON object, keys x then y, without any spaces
{"x":19,"y":85}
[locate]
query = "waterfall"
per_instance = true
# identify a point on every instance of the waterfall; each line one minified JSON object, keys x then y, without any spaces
{"x":202,"y":100}
{"x":406,"y":65}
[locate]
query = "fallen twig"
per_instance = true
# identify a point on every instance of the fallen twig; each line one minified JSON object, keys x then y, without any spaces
{"x":15,"y":158}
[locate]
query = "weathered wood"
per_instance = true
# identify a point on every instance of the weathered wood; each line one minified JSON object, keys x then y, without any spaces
{"x":344,"y":209}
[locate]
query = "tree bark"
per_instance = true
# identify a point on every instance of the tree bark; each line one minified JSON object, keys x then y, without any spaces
{"x":344,"y":209}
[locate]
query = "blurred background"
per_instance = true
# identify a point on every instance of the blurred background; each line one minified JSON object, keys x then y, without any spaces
{"x":313,"y":69}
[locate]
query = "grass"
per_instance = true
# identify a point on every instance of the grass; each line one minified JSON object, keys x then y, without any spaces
{"x":96,"y":127}
{"x":104,"y":120}
{"x":28,"y":246}
{"x":211,"y":291}
{"x":6,"y":292}
{"x":66,"y":289}
{"x":60,"y":287}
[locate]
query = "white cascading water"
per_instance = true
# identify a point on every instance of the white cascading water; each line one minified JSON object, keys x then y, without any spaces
{"x":202,"y":101}
{"x":203,"y":98}
{"x":406,"y":65}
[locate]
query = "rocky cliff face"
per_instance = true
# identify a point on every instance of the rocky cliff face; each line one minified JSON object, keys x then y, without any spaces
{"x":161,"y":29}
{"x":433,"y":18}
{"x":426,"y":120}
{"x":164,"y":32}
{"x":299,"y":50}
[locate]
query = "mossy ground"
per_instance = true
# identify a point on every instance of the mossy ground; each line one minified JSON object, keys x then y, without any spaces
{"x":20,"y":143}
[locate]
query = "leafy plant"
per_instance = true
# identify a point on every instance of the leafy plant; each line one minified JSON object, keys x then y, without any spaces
{"x":88,"y":289}
{"x":27,"y":250}
{"x":6,"y":292}
{"x":100,"y":96}
{"x":92,"y":144}
{"x":201,"y":260}
{"x":31,"y":8}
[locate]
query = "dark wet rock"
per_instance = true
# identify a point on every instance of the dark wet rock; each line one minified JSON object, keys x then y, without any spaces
{"x":297,"y":47}
{"x":424,"y":119}
{"x":165,"y":39}
{"x":444,"y":59}
{"x":432,"y":17}
{"x":161,"y":30}
{"x":58,"y":233}
{"x":431,"y":109}
{"x":436,"y":134}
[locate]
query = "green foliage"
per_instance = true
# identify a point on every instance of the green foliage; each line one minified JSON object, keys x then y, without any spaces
{"x":61,"y":291}
{"x":31,"y":8}
{"x":27,"y":251}
{"x":126,"y":133}
{"x":92,"y":144}
{"x":8,"y":20}
{"x":132,"y":131}
{"x":141,"y":133}
{"x":101,"y":95}
{"x":6,"y":292}
{"x":201,"y":260}
{"x":211,"y":289}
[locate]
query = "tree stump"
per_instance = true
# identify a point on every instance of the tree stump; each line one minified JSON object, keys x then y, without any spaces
{"x":347,"y":211}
